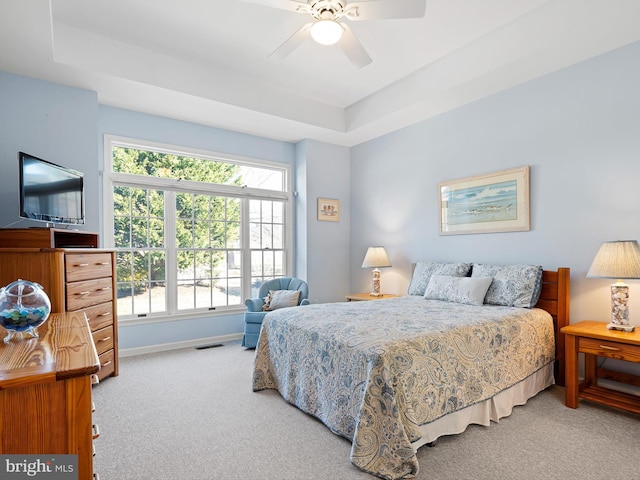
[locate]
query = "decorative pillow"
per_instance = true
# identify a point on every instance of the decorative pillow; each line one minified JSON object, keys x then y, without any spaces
{"x":470,"y":291}
{"x":281,"y":299}
{"x":513,"y":285}
{"x":423,"y":271}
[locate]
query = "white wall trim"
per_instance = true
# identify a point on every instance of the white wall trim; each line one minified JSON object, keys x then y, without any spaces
{"x":162,"y":347}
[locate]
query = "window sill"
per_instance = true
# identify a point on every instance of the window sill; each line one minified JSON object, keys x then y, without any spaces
{"x":157,"y":318}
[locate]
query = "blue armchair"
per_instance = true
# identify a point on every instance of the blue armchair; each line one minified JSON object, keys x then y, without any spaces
{"x":254,"y":315}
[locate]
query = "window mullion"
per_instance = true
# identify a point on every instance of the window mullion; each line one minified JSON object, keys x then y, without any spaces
{"x":245,"y":245}
{"x":171,"y":251}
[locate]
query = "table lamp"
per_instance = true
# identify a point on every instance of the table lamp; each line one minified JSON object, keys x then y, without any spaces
{"x":619,"y":260}
{"x":376,"y":258}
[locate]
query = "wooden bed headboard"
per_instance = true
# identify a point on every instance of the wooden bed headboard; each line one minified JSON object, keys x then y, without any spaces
{"x":554,"y":298}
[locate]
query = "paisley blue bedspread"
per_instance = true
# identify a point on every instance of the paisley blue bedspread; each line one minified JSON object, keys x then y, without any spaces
{"x":374,"y":372}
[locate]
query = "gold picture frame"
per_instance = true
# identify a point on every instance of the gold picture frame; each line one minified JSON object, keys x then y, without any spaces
{"x":495,"y":202}
{"x":328,"y":210}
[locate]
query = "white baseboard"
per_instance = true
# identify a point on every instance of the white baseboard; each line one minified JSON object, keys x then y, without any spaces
{"x":162,"y":347}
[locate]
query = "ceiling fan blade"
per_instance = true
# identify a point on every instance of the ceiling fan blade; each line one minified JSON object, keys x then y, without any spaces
{"x":384,"y":9}
{"x":293,"y":42}
{"x":352,"y":48}
{"x":291,"y":5}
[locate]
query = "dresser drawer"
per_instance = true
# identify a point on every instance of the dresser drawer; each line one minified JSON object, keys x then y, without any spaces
{"x":99,"y":316}
{"x":103,"y":339}
{"x":88,"y":293}
{"x":85,"y":266}
{"x":603,"y":348}
{"x":107,"y":364}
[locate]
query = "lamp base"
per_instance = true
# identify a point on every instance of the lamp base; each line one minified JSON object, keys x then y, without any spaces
{"x":374,"y":294}
{"x":624,"y":328}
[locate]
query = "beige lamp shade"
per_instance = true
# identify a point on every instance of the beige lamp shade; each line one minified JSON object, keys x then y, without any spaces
{"x":376,"y":257}
{"x":619,"y":259}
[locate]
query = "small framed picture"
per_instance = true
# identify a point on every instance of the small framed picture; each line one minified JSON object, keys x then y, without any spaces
{"x":328,"y":210}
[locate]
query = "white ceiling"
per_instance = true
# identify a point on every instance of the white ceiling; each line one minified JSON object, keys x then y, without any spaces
{"x":206,"y":61}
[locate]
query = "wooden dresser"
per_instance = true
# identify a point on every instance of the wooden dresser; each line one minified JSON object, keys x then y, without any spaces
{"x":76,"y":275}
{"x":45,"y":391}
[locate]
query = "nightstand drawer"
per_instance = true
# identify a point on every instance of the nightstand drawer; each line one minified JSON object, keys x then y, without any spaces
{"x":603,"y":348}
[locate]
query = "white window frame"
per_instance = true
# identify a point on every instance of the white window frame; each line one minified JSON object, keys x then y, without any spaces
{"x":111,"y":178}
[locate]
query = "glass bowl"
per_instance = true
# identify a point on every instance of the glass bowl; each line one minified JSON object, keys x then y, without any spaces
{"x":24,"y":306}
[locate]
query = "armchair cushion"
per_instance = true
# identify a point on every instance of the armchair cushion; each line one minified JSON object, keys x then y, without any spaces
{"x":281,"y":299}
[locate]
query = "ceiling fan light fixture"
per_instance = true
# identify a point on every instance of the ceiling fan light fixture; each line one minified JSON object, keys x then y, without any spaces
{"x":326,"y":32}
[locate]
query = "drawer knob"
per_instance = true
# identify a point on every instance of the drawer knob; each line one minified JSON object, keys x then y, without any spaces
{"x":105,"y":314}
{"x":104,"y":263}
{"x":83,"y":293}
{"x":607,"y":347}
{"x":81,"y":265}
{"x":105,"y":339}
{"x":107,"y":363}
{"x":95,"y":430}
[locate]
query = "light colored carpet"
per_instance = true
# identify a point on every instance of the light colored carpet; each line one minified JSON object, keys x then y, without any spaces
{"x":191,"y":414}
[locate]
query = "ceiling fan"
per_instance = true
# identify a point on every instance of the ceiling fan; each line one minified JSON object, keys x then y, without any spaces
{"x":328,"y":29}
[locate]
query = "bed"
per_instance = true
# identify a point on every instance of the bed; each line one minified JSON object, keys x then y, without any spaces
{"x":393,"y":375}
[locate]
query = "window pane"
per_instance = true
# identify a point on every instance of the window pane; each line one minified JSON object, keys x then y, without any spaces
{"x":186,"y":265}
{"x":213,"y":170}
{"x":121,"y":200}
{"x":122,"y":232}
{"x":278,"y":236}
{"x":233,"y":235}
{"x":186,"y":294}
{"x":141,"y":298}
{"x":267,"y":213}
{"x":158,"y":296}
{"x":156,"y":232}
{"x":278,"y":212}
{"x":139,"y":232}
{"x":157,"y":267}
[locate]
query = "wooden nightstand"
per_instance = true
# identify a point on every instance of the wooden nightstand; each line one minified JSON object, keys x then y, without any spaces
{"x":594,"y":340}
{"x":360,"y":297}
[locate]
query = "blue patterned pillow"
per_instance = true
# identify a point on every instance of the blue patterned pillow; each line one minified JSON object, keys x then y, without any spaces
{"x":423,"y":271}
{"x":467,"y":290}
{"x":513,"y":285}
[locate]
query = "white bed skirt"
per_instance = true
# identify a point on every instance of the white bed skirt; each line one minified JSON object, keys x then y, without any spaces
{"x":493,"y":409}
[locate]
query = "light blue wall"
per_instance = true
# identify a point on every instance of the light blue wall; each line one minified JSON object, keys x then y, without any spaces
{"x":323,"y":248}
{"x":53,"y":122}
{"x":578,"y":129}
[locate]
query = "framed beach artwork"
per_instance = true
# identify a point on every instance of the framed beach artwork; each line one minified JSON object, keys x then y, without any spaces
{"x":328,"y":210}
{"x":495,"y":202}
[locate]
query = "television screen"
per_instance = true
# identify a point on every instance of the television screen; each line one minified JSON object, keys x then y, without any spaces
{"x":50,"y":193}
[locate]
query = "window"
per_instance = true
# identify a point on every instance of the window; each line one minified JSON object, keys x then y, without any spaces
{"x":194,"y":232}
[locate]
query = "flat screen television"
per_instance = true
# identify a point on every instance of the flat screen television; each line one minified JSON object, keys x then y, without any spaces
{"x":50,"y":193}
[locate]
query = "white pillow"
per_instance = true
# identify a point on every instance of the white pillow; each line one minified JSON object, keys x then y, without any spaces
{"x":282,"y":299}
{"x":467,"y":290}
